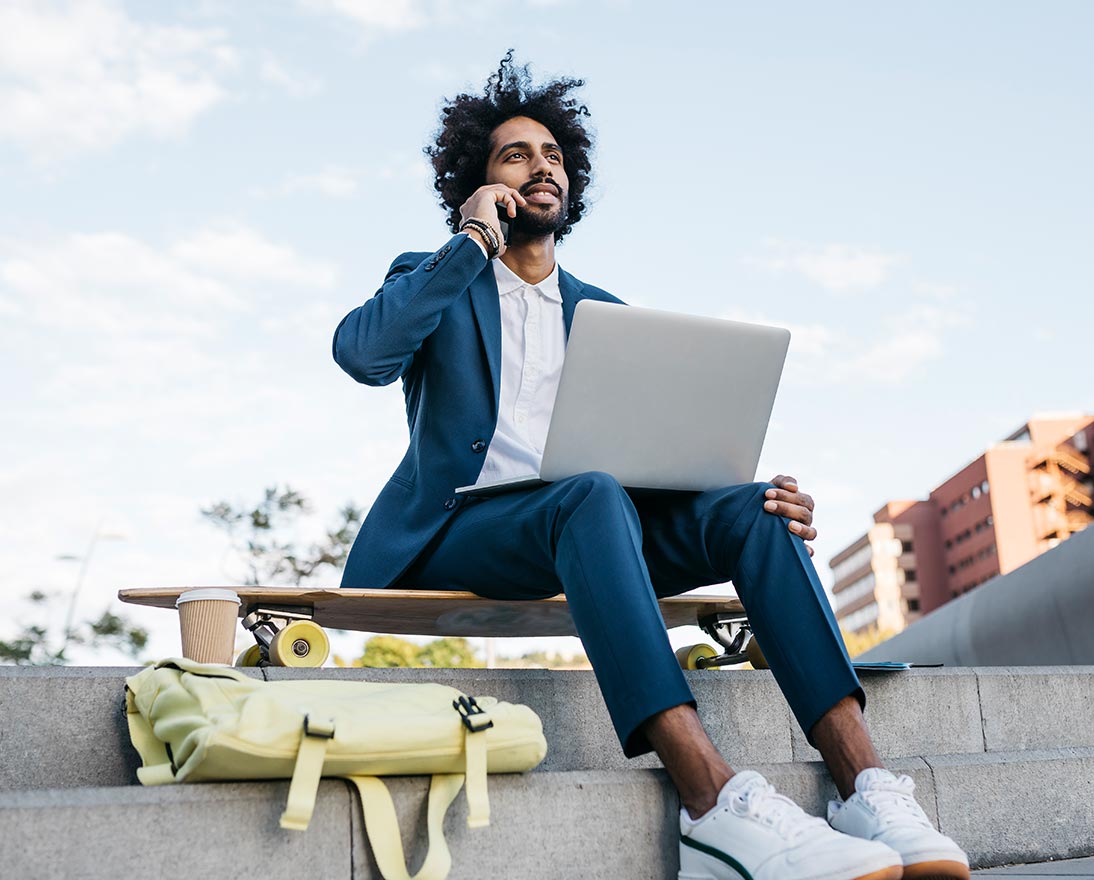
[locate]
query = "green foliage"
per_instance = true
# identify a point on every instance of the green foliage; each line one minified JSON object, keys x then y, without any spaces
{"x":545,"y":660}
{"x":391,"y":651}
{"x":271,"y":559}
{"x":448,"y":653}
{"x":32,"y":646}
{"x":860,"y":642}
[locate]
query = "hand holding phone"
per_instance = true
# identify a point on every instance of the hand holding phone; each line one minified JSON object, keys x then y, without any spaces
{"x":504,"y":221}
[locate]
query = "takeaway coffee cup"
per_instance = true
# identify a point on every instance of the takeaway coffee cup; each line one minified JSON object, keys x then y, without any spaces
{"x":208,"y":621}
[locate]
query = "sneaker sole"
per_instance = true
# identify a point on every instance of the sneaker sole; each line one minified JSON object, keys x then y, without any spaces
{"x":884,"y":874}
{"x":936,"y":870}
{"x":893,"y":873}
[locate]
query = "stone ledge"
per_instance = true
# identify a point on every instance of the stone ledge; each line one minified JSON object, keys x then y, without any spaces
{"x":595,"y":825}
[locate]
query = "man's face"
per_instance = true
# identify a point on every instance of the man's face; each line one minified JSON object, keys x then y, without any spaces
{"x":525,"y":156}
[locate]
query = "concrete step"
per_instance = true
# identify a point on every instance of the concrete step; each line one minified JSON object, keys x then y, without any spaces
{"x":65,"y":727}
{"x":1004,"y":807}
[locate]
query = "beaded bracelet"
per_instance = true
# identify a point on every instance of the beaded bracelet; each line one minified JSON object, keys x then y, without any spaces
{"x":487,"y":232}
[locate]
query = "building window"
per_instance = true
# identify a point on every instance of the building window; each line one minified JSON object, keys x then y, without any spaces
{"x":853,"y":562}
{"x":864,"y":586}
{"x":906,"y":547}
{"x":909,"y":576}
{"x":913,"y":604}
{"x":860,"y":618}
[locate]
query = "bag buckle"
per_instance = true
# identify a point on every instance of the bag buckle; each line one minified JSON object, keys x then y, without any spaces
{"x":319,"y":729}
{"x":469,"y":711}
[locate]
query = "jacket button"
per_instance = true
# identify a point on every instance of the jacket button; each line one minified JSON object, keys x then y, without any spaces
{"x":450,"y":503}
{"x":478,"y":446}
{"x":445,"y":250}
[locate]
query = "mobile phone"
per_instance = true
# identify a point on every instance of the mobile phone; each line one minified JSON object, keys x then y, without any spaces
{"x":504,"y":221}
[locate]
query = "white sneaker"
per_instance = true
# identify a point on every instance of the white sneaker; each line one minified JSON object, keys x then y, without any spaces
{"x":752,"y":833}
{"x":883,"y":809}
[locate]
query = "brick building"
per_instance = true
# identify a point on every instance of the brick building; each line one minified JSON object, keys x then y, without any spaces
{"x":1020,"y":498}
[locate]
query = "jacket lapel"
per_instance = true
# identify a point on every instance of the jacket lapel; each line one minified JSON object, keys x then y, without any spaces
{"x":487,"y":308}
{"x":570,"y":288}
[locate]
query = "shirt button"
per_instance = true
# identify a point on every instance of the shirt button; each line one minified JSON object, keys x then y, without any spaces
{"x":478,"y":446}
{"x":520,"y":419}
{"x":450,"y":503}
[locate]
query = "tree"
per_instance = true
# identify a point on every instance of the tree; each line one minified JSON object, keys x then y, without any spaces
{"x":448,"y":653}
{"x":32,"y":646}
{"x":271,"y":559}
{"x":391,"y":651}
{"x":860,"y":642}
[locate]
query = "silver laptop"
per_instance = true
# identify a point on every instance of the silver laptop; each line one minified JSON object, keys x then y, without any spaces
{"x":659,"y":400}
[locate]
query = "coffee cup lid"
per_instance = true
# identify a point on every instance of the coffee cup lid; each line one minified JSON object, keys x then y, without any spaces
{"x":208,"y":593}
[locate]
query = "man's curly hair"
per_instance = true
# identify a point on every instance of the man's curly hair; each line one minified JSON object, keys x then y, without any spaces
{"x":462,"y":146}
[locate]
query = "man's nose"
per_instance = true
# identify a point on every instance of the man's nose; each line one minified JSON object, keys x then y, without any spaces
{"x":541,"y":167}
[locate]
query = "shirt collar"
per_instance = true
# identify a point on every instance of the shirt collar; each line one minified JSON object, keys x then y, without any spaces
{"x":509,"y":282}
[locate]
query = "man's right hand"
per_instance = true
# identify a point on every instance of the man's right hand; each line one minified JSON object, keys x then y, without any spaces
{"x":481,"y":206}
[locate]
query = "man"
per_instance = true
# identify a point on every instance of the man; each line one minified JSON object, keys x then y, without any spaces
{"x":476,"y":331}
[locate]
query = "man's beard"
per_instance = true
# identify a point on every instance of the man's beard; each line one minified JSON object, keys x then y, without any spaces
{"x":537,"y":223}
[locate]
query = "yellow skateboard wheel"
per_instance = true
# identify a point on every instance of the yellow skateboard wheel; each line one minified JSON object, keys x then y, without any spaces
{"x":301,"y":643}
{"x":755,"y":654}
{"x":688,"y":657}
{"x":250,"y":656}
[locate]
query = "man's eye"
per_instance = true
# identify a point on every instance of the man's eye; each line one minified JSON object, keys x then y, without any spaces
{"x":555,"y":156}
{"x":515,"y":155}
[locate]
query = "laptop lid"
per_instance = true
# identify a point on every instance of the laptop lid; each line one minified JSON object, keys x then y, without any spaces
{"x":662,"y":400}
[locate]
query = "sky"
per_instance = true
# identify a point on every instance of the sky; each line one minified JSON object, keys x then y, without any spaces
{"x":195,"y":193}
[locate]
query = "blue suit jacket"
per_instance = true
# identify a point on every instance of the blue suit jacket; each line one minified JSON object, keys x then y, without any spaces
{"x":435,"y":323}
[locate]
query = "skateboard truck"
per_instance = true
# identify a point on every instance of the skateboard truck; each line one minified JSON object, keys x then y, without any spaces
{"x":731,"y":630}
{"x":285,"y":635}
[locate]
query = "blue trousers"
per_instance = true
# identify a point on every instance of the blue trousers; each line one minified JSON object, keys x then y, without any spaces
{"x":613,"y":552}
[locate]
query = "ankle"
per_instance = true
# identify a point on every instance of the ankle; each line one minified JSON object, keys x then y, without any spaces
{"x":698,"y":800}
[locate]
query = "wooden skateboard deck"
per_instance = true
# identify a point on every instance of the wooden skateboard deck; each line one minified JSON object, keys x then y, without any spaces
{"x":289,"y":611}
{"x":432,"y":612}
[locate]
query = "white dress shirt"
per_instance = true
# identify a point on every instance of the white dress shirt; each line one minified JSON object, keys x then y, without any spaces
{"x":533,"y":346}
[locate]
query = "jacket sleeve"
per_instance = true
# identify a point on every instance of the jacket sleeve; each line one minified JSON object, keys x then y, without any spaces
{"x":377,"y":341}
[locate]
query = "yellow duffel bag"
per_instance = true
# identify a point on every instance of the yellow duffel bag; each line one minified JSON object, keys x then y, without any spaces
{"x":193,"y":722}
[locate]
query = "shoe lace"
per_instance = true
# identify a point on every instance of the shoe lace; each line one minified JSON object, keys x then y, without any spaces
{"x":894,"y":803}
{"x":762,"y":803}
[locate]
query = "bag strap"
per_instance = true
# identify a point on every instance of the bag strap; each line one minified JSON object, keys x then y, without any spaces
{"x":378,"y":810}
{"x":382,"y":827}
{"x":314,"y":739}
{"x":476,"y":721}
{"x":157,"y":768}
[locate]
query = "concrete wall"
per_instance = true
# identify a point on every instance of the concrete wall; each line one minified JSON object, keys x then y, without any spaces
{"x":1039,"y":614}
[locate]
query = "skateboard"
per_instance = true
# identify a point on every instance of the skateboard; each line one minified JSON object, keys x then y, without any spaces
{"x":287,"y":622}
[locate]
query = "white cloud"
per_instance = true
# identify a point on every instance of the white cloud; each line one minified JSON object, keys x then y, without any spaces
{"x":235,"y":251}
{"x":294,"y":83}
{"x":385,"y":15}
{"x":333,"y":181}
{"x":885,"y":354}
{"x":838,"y":267}
{"x":83,"y":75}
{"x":805,"y":339}
{"x":118,"y":290}
{"x":342,"y":182}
